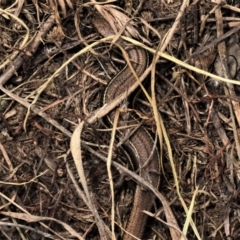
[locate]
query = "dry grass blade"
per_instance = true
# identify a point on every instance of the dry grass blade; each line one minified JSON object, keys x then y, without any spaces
{"x":75,"y":146}
{"x":181,"y":63}
{"x":161,"y":128}
{"x":190,"y":212}
{"x":110,"y":177}
{"x":32,"y":218}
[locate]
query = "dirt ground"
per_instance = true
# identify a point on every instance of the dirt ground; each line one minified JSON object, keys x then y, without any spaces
{"x":55,"y":138}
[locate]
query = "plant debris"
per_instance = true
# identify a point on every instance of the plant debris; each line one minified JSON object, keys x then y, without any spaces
{"x":54,"y":140}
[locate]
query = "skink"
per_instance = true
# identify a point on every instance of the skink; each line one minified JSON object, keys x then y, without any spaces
{"x":140,"y":143}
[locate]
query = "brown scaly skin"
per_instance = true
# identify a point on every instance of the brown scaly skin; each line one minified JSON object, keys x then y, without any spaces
{"x":140,"y":143}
